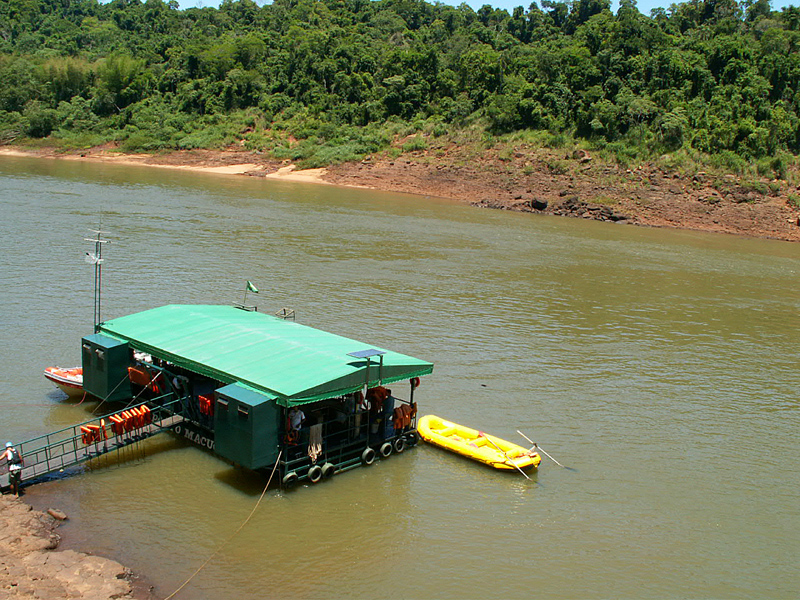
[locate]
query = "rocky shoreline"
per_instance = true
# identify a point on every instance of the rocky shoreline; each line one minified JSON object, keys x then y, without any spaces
{"x":31,"y":566}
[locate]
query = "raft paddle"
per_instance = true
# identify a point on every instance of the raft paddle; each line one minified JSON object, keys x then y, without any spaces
{"x":508,"y":458}
{"x":538,"y":447}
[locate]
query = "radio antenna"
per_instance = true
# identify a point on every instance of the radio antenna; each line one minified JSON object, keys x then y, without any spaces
{"x":96,"y":258}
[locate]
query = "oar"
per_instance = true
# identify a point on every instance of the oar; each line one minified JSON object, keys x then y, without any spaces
{"x":508,"y":458}
{"x":538,"y":447}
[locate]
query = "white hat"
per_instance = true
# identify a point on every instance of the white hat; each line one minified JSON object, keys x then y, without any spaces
{"x":9,"y":444}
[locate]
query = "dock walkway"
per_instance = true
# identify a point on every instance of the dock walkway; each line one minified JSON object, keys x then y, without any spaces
{"x":65,"y":448}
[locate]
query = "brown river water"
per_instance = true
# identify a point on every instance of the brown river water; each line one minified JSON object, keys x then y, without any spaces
{"x":661,"y":365}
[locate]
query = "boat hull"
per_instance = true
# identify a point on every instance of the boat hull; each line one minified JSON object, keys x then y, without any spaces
{"x":69,"y":381}
{"x":476,"y":445}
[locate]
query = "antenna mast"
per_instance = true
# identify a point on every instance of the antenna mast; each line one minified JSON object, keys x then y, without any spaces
{"x":96,"y":259}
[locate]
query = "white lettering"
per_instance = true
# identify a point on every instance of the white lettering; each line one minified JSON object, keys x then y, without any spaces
{"x":195,"y":438}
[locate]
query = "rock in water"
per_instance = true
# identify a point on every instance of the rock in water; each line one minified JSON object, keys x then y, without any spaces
{"x":57,"y":514}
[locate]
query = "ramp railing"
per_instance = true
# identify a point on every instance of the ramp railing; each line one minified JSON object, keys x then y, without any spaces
{"x":79,"y":443}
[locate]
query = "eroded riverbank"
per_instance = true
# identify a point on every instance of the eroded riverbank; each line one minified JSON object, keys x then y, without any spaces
{"x":530,"y":180}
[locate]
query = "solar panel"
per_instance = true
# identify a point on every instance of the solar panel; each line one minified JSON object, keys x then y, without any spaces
{"x":366,"y":353}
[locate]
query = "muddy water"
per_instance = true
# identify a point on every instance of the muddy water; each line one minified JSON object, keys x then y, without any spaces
{"x":661,"y":365}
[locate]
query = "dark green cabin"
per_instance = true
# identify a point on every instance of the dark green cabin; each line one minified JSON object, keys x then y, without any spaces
{"x":247,"y":426}
{"x":105,"y":364}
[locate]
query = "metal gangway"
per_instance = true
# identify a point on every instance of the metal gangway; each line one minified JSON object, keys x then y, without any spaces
{"x":65,"y":448}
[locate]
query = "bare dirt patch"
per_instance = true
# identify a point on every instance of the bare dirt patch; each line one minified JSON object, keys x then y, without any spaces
{"x":578,"y":186}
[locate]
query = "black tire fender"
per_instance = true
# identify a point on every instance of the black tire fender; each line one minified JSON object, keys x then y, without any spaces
{"x":368,"y":456}
{"x":315,"y":474}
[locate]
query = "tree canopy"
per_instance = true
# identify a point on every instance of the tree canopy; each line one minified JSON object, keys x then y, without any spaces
{"x":714,"y":75}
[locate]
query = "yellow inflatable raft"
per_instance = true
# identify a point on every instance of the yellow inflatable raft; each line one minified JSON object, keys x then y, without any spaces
{"x":476,"y":445}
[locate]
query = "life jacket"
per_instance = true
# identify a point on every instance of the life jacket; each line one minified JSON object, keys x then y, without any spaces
{"x":403,"y":414}
{"x":406,"y":415}
{"x":117,"y":424}
{"x":206,"y":405}
{"x":397,"y":417}
{"x":292,"y":436}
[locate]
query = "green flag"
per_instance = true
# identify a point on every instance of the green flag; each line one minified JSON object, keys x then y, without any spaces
{"x":251,"y":287}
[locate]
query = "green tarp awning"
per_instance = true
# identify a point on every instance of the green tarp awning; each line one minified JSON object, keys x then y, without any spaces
{"x":292,"y":362}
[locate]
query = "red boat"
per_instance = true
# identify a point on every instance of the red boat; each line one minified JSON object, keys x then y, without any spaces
{"x":69,"y":381}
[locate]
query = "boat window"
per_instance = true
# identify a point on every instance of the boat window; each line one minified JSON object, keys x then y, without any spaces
{"x":223,"y":404}
{"x":101,"y":360}
{"x":243,"y":412}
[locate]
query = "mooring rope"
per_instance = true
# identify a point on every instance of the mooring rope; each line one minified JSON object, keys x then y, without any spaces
{"x":103,"y":401}
{"x":223,"y":544}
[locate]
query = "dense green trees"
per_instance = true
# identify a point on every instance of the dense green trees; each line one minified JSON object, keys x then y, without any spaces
{"x":711,"y":75}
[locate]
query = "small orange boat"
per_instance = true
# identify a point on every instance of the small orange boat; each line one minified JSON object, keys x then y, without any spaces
{"x":69,"y":381}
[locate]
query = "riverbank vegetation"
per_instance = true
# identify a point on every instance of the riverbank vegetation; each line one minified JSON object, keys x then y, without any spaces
{"x":714,"y":83}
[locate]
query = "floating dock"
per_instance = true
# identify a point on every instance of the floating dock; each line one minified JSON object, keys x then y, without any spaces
{"x":258,"y":390}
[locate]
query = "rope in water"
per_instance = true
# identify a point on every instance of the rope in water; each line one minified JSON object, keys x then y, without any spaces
{"x":231,"y":536}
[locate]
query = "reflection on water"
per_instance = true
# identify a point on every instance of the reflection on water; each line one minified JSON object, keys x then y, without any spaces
{"x":660,"y":364}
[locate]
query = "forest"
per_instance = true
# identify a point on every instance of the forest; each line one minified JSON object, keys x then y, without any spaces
{"x":326,"y":81}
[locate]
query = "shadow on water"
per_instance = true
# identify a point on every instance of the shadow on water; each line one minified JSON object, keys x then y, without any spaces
{"x":471,"y":471}
{"x":250,"y":483}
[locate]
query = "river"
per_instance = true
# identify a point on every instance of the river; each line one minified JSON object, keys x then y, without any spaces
{"x":660,"y":365}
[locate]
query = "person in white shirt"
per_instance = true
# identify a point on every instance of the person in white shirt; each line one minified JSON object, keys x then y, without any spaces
{"x":14,"y":461}
{"x":296,"y":418}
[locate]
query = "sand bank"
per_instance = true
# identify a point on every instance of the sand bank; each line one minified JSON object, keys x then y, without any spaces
{"x":199,"y":162}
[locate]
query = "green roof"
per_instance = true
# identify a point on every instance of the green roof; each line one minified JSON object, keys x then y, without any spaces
{"x":293,"y":363}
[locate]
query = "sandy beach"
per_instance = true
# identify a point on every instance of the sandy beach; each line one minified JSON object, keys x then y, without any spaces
{"x":206,"y":164}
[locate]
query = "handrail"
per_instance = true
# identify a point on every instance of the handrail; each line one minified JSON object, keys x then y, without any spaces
{"x":106,"y":416}
{"x":64,"y":448}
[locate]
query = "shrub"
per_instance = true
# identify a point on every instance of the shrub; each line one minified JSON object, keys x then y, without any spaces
{"x":780,"y":166}
{"x":416,"y":143}
{"x":81,"y":140}
{"x":557,"y":167}
{"x":12,"y":125}
{"x":729,"y":161}
{"x":556,"y":140}
{"x":139,"y":142}
{"x":756,"y":186}
{"x":41,"y":119}
{"x":77,"y":114}
{"x":764,"y":167}
{"x":439,"y":130}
